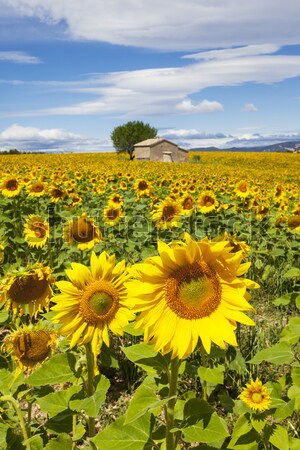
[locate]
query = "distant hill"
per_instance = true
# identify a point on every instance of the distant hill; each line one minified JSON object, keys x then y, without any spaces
{"x":291,"y":147}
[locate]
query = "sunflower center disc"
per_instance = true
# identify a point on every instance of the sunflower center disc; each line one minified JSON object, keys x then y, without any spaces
{"x":12,"y":185}
{"x":27,"y":289}
{"x":256,"y":397}
{"x":193,"y":291}
{"x":168,"y":213}
{"x":101,"y":302}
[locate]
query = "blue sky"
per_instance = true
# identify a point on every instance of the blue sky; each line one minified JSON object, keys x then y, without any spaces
{"x":203,"y":72}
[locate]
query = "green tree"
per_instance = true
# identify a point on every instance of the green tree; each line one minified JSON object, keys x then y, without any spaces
{"x":124,"y":137}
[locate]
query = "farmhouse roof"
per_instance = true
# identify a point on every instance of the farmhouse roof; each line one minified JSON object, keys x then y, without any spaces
{"x":155,"y":141}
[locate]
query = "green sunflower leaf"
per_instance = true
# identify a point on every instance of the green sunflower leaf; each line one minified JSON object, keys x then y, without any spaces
{"x":280,"y":353}
{"x":56,"y":370}
{"x":132,"y":436}
{"x":144,"y":399}
{"x":57,"y":402}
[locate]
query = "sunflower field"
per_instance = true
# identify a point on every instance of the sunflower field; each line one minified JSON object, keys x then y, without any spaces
{"x":150,"y":305}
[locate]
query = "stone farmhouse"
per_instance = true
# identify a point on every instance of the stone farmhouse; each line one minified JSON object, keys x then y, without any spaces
{"x":159,"y":149}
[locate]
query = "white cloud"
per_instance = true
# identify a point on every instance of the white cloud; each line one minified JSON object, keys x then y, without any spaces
{"x":53,"y":139}
{"x":239,"y":52}
{"x":167,"y":90}
{"x":249,"y":107}
{"x":206,"y":106}
{"x":19,"y":58}
{"x":171,"y":24}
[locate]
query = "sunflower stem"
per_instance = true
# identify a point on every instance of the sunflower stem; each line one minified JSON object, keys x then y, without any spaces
{"x":171,"y":438}
{"x":9,"y":398}
{"x":204,"y":364}
{"x":90,"y":387}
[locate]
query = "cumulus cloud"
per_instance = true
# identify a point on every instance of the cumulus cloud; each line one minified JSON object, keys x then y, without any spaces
{"x":47,"y":140}
{"x":249,"y":107}
{"x":19,"y":57}
{"x":206,"y":106}
{"x":172,"y":24}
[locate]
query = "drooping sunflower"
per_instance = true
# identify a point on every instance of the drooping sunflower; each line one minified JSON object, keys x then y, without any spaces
{"x":31,"y":345}
{"x":112,"y":215}
{"x":36,"y":189}
{"x":93,"y":302}
{"x":10,"y":186}
{"x":256,"y":396}
{"x":207,"y":202}
{"x":166,"y":214}
{"x":27,"y":291}
{"x":191,"y":291}
{"x":82,"y":231}
{"x":36,"y":231}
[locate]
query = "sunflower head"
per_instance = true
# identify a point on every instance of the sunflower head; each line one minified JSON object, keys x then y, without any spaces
{"x":27,"y":291}
{"x":294,"y":223}
{"x":191,"y":291}
{"x":31,"y":345}
{"x":10,"y":186}
{"x":83,"y":232}
{"x":36,"y":230}
{"x":36,"y":189}
{"x":166,"y":214}
{"x":207,"y":202}
{"x":112,"y":215}
{"x":187,"y":204}
{"x":256,"y":396}
{"x":93,"y":301}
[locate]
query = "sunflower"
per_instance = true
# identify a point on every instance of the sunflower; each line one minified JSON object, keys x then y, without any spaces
{"x":56,"y":194}
{"x":74,"y":200}
{"x":166,"y":214}
{"x":93,"y":302}
{"x":294,"y":223}
{"x":36,"y":189}
{"x":112,"y":215}
{"x":207,"y":202}
{"x":142,"y":187}
{"x":82,"y":231}
{"x":10,"y":186}
{"x":116,"y":200}
{"x":31,"y":345}
{"x":28,"y":291}
{"x":190,"y":291}
{"x":36,"y":230}
{"x":187,"y":203}
{"x":242,"y":189}
{"x":256,"y":395}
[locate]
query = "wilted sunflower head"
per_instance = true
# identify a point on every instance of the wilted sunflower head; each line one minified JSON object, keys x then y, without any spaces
{"x":31,"y":345}
{"x":36,"y":230}
{"x":27,"y":291}
{"x":82,"y":231}
{"x":256,"y":396}
{"x":10,"y":186}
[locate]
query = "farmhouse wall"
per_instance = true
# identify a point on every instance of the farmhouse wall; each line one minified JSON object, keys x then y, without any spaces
{"x":160,"y":150}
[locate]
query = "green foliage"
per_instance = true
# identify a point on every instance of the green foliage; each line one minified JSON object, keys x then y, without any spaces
{"x":124,"y":137}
